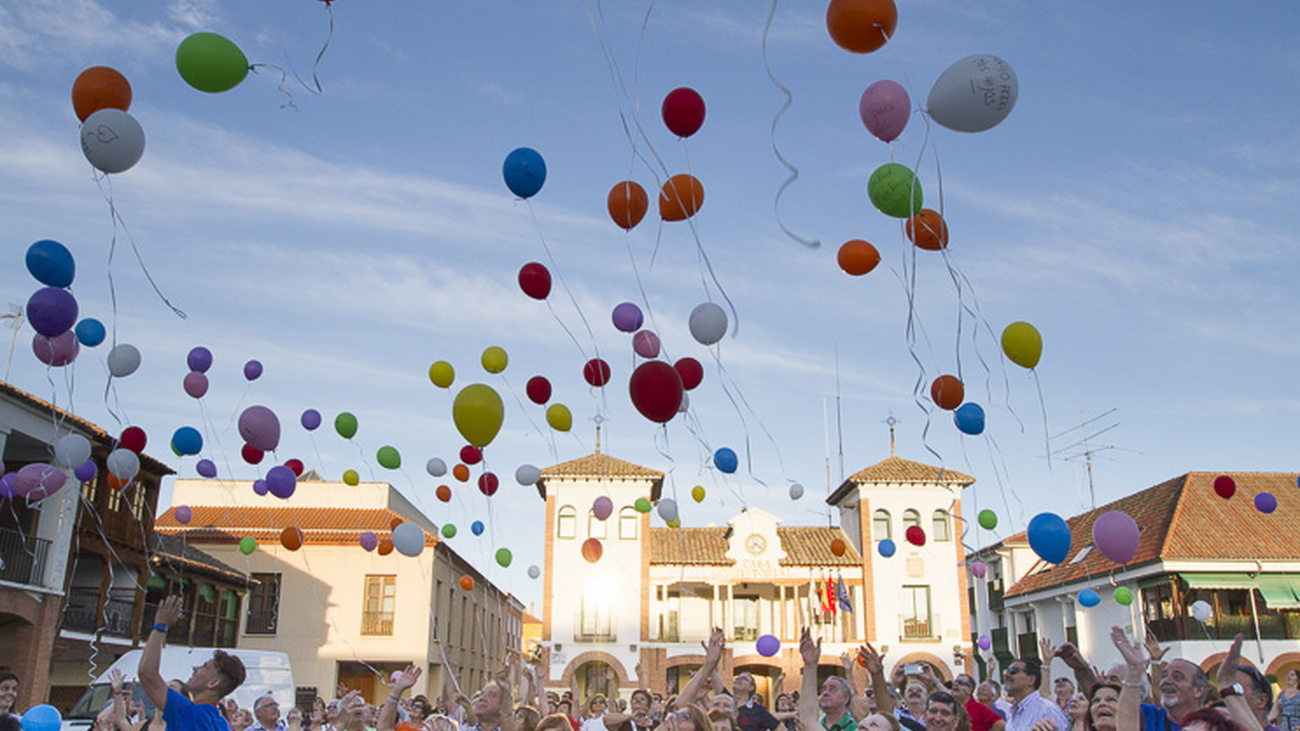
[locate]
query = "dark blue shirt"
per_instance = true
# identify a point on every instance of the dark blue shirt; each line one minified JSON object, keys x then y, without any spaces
{"x":1155,"y":718}
{"x":183,"y":714}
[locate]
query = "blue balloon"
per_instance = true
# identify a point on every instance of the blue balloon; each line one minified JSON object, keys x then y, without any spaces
{"x":969,"y":418}
{"x":51,"y":263}
{"x":725,"y":459}
{"x":187,"y":440}
{"x":476,"y":527}
{"x":1049,"y":536}
{"x":206,"y":468}
{"x":886,"y":548}
{"x":90,"y":332}
{"x":1089,"y":598}
{"x":524,"y":171}
{"x":42,"y":718}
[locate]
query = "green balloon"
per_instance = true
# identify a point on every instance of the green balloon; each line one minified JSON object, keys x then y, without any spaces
{"x":346,"y":425}
{"x":448,"y":530}
{"x":212,"y":63}
{"x":388,"y":457}
{"x":642,"y":505}
{"x":1123,"y":596}
{"x":247,"y":545}
{"x":175,"y":451}
{"x":895,"y":191}
{"x":503,"y":556}
{"x":988,"y":519}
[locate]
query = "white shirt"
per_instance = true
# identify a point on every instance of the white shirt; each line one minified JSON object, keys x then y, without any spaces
{"x":1023,"y":715}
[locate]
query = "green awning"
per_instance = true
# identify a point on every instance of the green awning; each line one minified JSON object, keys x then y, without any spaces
{"x":1218,"y":581}
{"x":1281,"y":591}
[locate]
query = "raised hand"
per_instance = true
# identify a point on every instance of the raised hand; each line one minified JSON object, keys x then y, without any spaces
{"x":1128,"y":649}
{"x":407,"y":678}
{"x":1227,"y":673}
{"x":873,"y":661}
{"x":810,"y":651}
{"x":169,"y":610}
{"x":713,"y":648}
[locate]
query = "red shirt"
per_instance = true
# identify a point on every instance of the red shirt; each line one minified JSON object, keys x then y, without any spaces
{"x":982,"y":717}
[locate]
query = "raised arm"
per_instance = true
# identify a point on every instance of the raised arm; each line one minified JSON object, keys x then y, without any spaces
{"x":121,"y":694}
{"x":1238,"y":705}
{"x":811,"y":653}
{"x":1084,"y":676}
{"x":874,"y":662}
{"x":857,"y":703}
{"x":694,"y":690}
{"x":1046,"y":652}
{"x":151,"y":679}
{"x":388,"y":712}
{"x":1129,"y":715}
{"x":1157,"y":654}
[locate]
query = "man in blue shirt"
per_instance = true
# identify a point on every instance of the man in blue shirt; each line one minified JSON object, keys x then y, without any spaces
{"x":211,"y":681}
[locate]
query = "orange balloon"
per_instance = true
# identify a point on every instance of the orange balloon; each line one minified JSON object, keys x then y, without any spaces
{"x":928,"y":230}
{"x":680,"y":198}
{"x":467,"y":583}
{"x":444,"y":493}
{"x":861,"y":26}
{"x":116,"y":482}
{"x":460,"y":472}
{"x":291,"y":538}
{"x":392,"y":524}
{"x":947,"y":392}
{"x":627,"y":204}
{"x":385,"y":546}
{"x":100,"y":87}
{"x":858,"y":257}
{"x":838,"y":547}
{"x":592,"y":550}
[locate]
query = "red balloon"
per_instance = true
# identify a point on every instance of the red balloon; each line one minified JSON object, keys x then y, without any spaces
{"x":539,"y":389}
{"x":470,"y":454}
{"x":690,"y":371}
{"x":444,"y":493}
{"x":251,"y":454}
{"x":592,"y":550}
{"x":535,"y":280}
{"x":488,"y":484}
{"x":134,"y":439}
{"x":1224,"y":486}
{"x":915,"y":535}
{"x":295,"y":466}
{"x":596,"y":372}
{"x":947,"y":392}
{"x":683,"y":111}
{"x":656,"y":391}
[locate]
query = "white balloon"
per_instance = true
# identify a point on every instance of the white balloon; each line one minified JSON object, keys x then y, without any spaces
{"x":408,"y":539}
{"x":436,"y":467}
{"x":112,"y":140}
{"x":708,"y":323}
{"x":123,"y":360}
{"x":974,"y":94}
{"x":534,"y":572}
{"x":668,"y":509}
{"x":1201,"y":610}
{"x":686,"y":403}
{"x":123,"y":463}
{"x":796,"y":491}
{"x":71,"y":451}
{"x":527,"y":474}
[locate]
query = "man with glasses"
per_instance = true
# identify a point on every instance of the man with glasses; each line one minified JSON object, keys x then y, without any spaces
{"x":1024,"y":705}
{"x":982,"y":718}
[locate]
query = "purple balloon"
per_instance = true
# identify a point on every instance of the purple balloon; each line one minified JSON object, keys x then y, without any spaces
{"x":281,"y":481}
{"x":259,"y":487}
{"x":1265,"y":502}
{"x":985,"y":643}
{"x":52,"y":311}
{"x":628,"y":317}
{"x":1116,"y":536}
{"x":253,"y":370}
{"x":196,"y":384}
{"x":57,"y":351}
{"x":885,"y":109}
{"x":260,"y":427}
{"x":369,"y":540}
{"x":310,"y":419}
{"x":199,"y":360}
{"x":86,"y":471}
{"x":768,"y":645}
{"x":979,"y":569}
{"x":39,"y":481}
{"x":646,"y":344}
{"x":206,"y":468}
{"x":184,"y":514}
{"x":7,"y":488}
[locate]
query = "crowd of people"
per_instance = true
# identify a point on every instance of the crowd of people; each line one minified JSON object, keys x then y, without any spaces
{"x":1143,"y":692}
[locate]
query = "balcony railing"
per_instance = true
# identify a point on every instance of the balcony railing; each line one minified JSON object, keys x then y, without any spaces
{"x":913,"y":628}
{"x":82,"y":613}
{"x":24,"y":557}
{"x":377,"y":623}
{"x":594,"y":627}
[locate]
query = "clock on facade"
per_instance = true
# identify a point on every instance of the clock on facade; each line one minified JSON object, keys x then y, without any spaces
{"x":755,"y":543}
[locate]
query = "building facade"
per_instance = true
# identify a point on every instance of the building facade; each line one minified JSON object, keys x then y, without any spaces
{"x":1193,"y":546}
{"x":341,"y":613}
{"x":620,"y":593}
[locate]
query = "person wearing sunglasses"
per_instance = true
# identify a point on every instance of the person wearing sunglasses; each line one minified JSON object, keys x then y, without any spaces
{"x":1024,"y":705}
{"x":982,"y":718}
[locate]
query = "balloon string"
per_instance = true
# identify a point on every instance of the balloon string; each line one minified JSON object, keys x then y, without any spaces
{"x":794,"y":171}
{"x":280,"y":85}
{"x":1042,"y":405}
{"x":560,"y":276}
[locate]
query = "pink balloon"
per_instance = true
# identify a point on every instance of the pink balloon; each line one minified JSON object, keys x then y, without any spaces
{"x":196,"y":384}
{"x":646,"y":344}
{"x":39,"y":481}
{"x":602,"y":507}
{"x":1116,"y":536}
{"x":57,"y":351}
{"x":979,"y":569}
{"x":259,"y":427}
{"x":885,"y":109}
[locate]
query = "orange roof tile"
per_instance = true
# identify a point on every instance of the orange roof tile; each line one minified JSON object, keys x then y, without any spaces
{"x":803,"y":545}
{"x":602,"y":466}
{"x":320,"y":526}
{"x":896,"y":471}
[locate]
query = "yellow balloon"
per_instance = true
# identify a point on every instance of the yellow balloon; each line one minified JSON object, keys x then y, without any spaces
{"x":697,"y":492}
{"x":478,"y":413}
{"x":351,"y":477}
{"x":1022,"y":344}
{"x":442,"y":374}
{"x":495,"y":359}
{"x":675,"y":523}
{"x":559,"y":418}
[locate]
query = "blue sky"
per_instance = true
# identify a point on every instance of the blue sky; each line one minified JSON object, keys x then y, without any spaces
{"x":1138,"y":206}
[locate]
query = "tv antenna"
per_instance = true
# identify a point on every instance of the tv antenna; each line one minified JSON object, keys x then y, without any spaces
{"x":16,"y":315}
{"x":1084,"y":447}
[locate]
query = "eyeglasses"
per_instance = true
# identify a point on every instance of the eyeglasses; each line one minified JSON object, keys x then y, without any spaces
{"x":1013,"y":670}
{"x":964,"y":683}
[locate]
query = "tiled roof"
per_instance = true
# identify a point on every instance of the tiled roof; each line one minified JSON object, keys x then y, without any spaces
{"x":1183,"y":519}
{"x":171,"y":551}
{"x":320,"y":526}
{"x":803,"y":545}
{"x":602,"y":465}
{"x":896,"y":471}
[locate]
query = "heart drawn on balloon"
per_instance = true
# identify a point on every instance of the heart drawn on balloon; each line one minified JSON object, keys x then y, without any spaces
{"x":105,"y":134}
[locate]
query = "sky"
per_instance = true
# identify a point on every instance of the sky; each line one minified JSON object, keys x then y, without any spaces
{"x":1138,"y":206}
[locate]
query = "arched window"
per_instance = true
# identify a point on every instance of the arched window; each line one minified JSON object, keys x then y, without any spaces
{"x":627,"y":520}
{"x":940,"y":530}
{"x":880,"y":525}
{"x":595,"y":526}
{"x":910,"y":518}
{"x":567,"y":522}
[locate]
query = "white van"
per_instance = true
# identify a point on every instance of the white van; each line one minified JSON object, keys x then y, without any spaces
{"x":267,"y":672}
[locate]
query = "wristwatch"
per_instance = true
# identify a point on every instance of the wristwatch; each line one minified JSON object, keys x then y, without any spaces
{"x":1234,"y":689}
